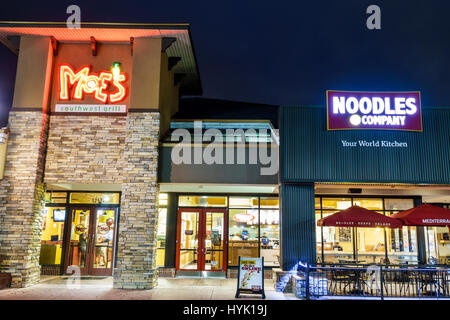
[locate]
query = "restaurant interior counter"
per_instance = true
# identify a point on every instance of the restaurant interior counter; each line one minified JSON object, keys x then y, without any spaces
{"x":243,"y":248}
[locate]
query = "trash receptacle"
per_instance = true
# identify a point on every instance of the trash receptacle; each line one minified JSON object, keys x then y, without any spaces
{"x":5,"y":280}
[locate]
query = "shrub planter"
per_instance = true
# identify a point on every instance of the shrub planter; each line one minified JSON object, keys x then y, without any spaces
{"x":5,"y":280}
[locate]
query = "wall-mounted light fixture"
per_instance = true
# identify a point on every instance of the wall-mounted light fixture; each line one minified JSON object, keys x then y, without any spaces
{"x":115,"y":70}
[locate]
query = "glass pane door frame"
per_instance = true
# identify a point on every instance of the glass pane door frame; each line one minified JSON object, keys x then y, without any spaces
{"x":98,"y":271}
{"x":68,"y":241}
{"x":90,"y":251}
{"x":201,"y":247}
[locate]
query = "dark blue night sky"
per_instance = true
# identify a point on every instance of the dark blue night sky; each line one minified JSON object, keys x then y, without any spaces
{"x":282,"y":52}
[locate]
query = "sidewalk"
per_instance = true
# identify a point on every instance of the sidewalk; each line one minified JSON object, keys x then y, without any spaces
{"x":55,"y":288}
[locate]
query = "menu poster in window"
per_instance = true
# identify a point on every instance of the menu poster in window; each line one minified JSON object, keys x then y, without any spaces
{"x":250,"y":276}
{"x":345,"y":234}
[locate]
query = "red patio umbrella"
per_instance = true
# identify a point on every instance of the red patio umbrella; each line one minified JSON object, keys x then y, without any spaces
{"x":424,"y":215}
{"x":359,"y":217}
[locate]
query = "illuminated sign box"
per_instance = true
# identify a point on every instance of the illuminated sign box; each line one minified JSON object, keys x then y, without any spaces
{"x":348,"y":110}
{"x":84,"y":82}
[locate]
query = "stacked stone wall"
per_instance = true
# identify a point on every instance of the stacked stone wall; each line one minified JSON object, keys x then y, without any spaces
{"x":22,"y":197}
{"x":136,"y":252}
{"x":85,"y":149}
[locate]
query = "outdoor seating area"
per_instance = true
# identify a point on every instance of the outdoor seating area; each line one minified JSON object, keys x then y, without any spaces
{"x":364,"y":275}
{"x":379,"y":281}
{"x":356,"y":247}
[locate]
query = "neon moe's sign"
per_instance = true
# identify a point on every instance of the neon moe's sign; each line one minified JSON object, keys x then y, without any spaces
{"x":374,"y":110}
{"x":104,"y":87}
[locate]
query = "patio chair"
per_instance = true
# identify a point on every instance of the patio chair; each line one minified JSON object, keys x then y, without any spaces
{"x":428,"y":283}
{"x":339,"y":278}
{"x":402,"y":278}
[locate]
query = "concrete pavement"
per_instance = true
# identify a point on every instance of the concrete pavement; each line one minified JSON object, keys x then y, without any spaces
{"x":59,"y":288}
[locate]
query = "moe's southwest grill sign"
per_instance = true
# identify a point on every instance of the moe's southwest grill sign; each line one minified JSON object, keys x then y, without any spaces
{"x":348,"y":110}
{"x":106,"y":87}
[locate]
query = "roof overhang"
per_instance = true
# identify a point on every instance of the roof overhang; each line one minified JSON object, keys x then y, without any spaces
{"x":186,"y":68}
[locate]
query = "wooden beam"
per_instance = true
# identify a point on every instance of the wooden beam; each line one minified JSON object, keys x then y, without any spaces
{"x":54,"y":46}
{"x":93,"y":46}
{"x":131,"y":45}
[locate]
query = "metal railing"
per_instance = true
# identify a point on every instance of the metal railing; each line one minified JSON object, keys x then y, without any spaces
{"x":313,"y":281}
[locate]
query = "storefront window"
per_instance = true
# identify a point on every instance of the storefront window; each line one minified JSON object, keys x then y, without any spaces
{"x":161,"y":234}
{"x":270,"y":237}
{"x":432,"y":250}
{"x":52,"y":236}
{"x":243,"y":202}
{"x":402,"y":245}
{"x":370,"y":245}
{"x":202,"y":201}
{"x":337,"y":243}
{"x":55,"y":197}
{"x":443,"y":244}
{"x":270,"y":202}
{"x":253,"y":226}
{"x":398,"y":204}
{"x":161,"y":237}
{"x":438,"y":245}
{"x":336,"y":203}
{"x":317,"y":203}
{"x":243,"y":234}
{"x":94,"y":198}
{"x":318,"y":236}
{"x":370,"y":203}
{"x":162,"y":199}
{"x":366,"y":245}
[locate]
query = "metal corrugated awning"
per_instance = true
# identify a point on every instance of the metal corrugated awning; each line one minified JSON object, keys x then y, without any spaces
{"x":190,"y":83}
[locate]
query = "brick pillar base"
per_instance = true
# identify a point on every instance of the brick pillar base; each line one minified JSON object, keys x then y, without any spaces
{"x":22,"y":198}
{"x":136,"y":252}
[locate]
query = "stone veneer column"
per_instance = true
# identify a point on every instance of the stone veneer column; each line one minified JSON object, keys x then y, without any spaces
{"x":136,"y":252}
{"x":22,"y":197}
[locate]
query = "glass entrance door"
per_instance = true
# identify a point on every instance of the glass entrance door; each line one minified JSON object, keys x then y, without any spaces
{"x":202,"y":240}
{"x":215,"y":240}
{"x":91,"y":243}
